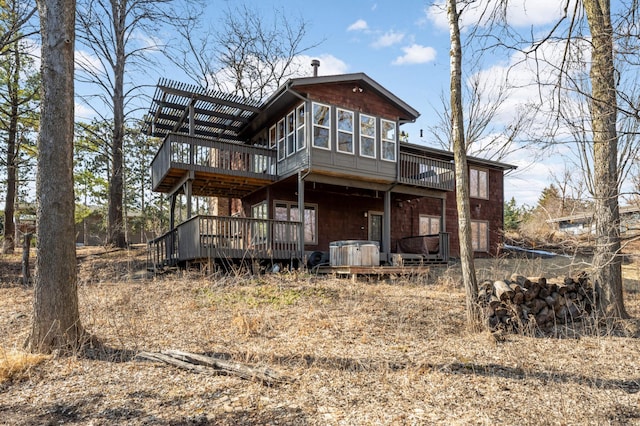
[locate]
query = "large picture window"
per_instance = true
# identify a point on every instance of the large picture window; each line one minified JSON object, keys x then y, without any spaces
{"x":367,"y":136}
{"x":480,"y":235}
{"x":345,"y":130}
{"x":478,"y":183}
{"x":321,"y":126}
{"x":289,"y":212}
{"x":388,"y":140}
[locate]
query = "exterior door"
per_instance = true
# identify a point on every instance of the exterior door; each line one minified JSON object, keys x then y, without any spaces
{"x":375,"y":227}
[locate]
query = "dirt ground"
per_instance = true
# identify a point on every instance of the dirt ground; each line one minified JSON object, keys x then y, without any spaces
{"x":363,"y":352}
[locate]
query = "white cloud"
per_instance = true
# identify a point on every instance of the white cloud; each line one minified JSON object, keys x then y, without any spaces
{"x":388,"y":39}
{"x":329,"y":65}
{"x":89,"y":62}
{"x":520,"y":13}
{"x":359,"y":25}
{"x":416,"y":54}
{"x":83,"y":112}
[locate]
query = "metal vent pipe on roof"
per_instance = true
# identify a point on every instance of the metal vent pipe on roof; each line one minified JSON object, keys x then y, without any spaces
{"x":315,"y":64}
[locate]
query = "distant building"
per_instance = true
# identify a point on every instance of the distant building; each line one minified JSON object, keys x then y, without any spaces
{"x":583,"y":223}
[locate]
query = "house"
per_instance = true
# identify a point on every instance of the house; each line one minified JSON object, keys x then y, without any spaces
{"x":583,"y":223}
{"x":329,"y":143}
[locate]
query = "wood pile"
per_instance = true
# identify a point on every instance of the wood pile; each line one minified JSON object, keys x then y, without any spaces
{"x":521,"y":302}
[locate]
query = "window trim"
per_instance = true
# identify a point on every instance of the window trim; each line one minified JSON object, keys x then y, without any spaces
{"x":394,"y":141}
{"x":301,"y":125}
{"x":290,"y":131}
{"x":476,"y":194}
{"x":346,"y":132}
{"x":361,"y":135}
{"x":486,"y":236}
{"x":314,"y":125}
{"x":430,"y":217}
{"x":281,"y":139}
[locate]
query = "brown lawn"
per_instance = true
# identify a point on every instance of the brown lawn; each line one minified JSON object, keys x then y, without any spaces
{"x":360,"y":352}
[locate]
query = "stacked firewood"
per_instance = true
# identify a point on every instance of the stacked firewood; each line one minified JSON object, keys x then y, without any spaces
{"x":535,"y":301}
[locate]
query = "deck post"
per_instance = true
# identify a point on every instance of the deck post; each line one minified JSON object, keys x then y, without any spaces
{"x":386,"y":225}
{"x":301,"y":214}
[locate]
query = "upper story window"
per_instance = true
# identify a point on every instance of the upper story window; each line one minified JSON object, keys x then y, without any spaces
{"x":300,"y":127}
{"x":321,"y":126}
{"x":345,"y":130}
{"x":291,"y":133}
{"x":478,"y":183}
{"x":272,"y":137}
{"x":280,"y":131}
{"x":367,"y":136}
{"x":388,"y":148}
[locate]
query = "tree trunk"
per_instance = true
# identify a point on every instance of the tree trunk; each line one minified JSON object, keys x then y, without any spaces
{"x":8,"y":245}
{"x":462,"y":173}
{"x":116,"y":182}
{"x":607,"y":263}
{"x":56,"y":319}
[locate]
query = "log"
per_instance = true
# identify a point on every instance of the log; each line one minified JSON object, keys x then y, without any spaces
{"x":264,"y":374}
{"x":521,"y":280}
{"x":199,"y":363}
{"x":503,"y":291}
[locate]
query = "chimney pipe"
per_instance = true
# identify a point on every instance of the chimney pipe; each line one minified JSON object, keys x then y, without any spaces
{"x":315,"y":64}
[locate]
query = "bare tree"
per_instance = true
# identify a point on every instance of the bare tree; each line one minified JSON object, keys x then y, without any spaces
{"x":111,"y":30}
{"x":607,"y":263}
{"x":461,"y":170}
{"x":16,"y":16}
{"x":245,"y":54}
{"x":19,"y":90}
{"x":56,"y":318}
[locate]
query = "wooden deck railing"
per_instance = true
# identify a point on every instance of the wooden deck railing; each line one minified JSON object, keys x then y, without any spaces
{"x":214,"y":156}
{"x":424,"y":171}
{"x":222,"y":237}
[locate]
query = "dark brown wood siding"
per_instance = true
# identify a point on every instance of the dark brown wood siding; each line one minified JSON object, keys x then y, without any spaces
{"x":490,"y":210}
{"x":343,"y":95}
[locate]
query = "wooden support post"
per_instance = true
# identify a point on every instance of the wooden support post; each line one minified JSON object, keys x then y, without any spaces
{"x":301,"y":214}
{"x":386,"y":225}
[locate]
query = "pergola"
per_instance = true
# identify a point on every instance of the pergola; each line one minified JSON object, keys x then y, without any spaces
{"x":193,"y":110}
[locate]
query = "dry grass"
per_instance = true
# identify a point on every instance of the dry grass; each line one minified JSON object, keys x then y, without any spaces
{"x":16,"y":365}
{"x":364,"y":352}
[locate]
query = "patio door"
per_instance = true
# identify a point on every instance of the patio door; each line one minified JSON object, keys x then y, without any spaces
{"x":375,"y":227}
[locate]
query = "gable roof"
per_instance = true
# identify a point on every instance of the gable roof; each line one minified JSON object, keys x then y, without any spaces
{"x":289,"y":92}
{"x":219,"y":114}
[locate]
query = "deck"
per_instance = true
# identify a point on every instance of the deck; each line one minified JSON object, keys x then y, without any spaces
{"x":226,"y":168}
{"x":207,"y":238}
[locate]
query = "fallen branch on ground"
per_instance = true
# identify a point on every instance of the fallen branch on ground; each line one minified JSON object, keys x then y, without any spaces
{"x":199,"y":363}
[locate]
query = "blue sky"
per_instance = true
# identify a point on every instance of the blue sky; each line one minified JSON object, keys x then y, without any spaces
{"x":404,"y":46}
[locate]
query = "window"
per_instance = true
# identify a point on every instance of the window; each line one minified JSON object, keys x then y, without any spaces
{"x":321,"y":126}
{"x":291,"y":133}
{"x":388,"y":140}
{"x":345,"y":130}
{"x":289,"y":212}
{"x":281,"y":140}
{"x":478,"y":183}
{"x":259,"y":229}
{"x":479,"y":235}
{"x":300,"y":127}
{"x":367,"y":136}
{"x":272,"y":137}
{"x":429,"y":225}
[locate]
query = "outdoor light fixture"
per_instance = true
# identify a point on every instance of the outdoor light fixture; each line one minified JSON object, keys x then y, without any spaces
{"x":357,"y":89}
